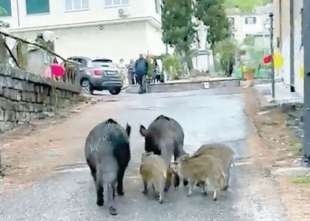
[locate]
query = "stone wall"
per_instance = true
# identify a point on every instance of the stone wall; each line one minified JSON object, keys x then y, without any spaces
{"x":25,"y":96}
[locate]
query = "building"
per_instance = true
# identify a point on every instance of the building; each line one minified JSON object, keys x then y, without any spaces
{"x":255,"y":24}
{"x":97,"y":28}
{"x":288,"y":38}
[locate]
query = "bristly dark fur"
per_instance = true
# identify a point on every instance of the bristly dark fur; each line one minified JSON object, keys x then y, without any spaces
{"x":163,"y":117}
{"x":111,"y":121}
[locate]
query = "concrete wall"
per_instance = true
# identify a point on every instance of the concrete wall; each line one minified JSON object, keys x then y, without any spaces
{"x":25,"y":96}
{"x":282,"y":35}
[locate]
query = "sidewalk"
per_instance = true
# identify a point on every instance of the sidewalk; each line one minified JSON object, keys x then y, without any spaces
{"x":282,"y":95}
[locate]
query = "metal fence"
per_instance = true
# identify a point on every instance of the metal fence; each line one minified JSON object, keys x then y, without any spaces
{"x":20,"y":59}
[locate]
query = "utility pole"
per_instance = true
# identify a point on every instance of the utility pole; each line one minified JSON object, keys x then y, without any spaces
{"x":272,"y":59}
{"x":306,"y":43}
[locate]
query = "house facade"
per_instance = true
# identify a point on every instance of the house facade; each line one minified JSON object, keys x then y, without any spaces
{"x":113,"y":29}
{"x":254,"y":24}
{"x":288,"y":40}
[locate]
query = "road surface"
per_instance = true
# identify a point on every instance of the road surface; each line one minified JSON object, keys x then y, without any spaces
{"x":216,"y":115}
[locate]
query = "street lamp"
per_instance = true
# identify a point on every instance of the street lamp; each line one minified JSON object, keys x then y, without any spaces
{"x":272,"y":53}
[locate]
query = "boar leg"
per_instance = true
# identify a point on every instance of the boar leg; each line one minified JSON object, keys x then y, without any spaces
{"x":100,"y":200}
{"x":161,"y":193}
{"x":204,"y":189}
{"x":190,"y":188}
{"x":110,"y":200}
{"x":227,"y":178}
{"x":214,"y":195}
{"x":92,"y":170}
{"x":145,"y":191}
{"x":120,"y":177}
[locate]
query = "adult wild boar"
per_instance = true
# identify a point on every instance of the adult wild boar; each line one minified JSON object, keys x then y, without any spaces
{"x":164,"y":137}
{"x":107,"y":153}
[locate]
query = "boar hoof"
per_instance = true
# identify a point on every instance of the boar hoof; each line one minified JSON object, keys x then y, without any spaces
{"x":100,"y":202}
{"x":214,"y":196}
{"x":120,"y":193}
{"x":113,"y":211}
{"x":225,"y":188}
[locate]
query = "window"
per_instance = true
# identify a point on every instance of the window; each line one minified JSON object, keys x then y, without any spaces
{"x":250,"y":20}
{"x":76,"y":5}
{"x":115,"y":3}
{"x":231,"y":21}
{"x":37,"y":6}
{"x":5,"y":8}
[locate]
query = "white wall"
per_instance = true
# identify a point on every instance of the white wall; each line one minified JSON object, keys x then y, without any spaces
{"x":285,"y":41}
{"x":282,"y":31}
{"x":298,"y":48}
{"x":97,"y":12}
{"x":154,"y":40}
{"x":114,"y":41}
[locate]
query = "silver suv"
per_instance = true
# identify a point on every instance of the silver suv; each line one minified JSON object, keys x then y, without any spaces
{"x":98,"y":74}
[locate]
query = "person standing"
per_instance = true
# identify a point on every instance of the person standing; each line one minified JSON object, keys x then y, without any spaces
{"x":141,"y":69}
{"x":131,"y":72}
{"x":122,"y":69}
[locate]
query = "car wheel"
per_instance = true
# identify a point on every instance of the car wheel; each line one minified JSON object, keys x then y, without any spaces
{"x":86,"y":87}
{"x":115,"y":91}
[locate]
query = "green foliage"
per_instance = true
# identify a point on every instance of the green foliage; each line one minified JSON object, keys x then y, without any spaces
{"x":255,"y":55}
{"x":173,"y":66}
{"x":3,"y":12}
{"x":246,"y":5}
{"x":227,"y":51}
{"x":151,"y":67}
{"x":249,"y":41}
{"x":212,"y":14}
{"x":305,"y":180}
{"x":178,"y":28}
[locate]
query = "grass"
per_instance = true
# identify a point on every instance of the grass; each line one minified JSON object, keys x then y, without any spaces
{"x":295,"y":147}
{"x":301,"y":180}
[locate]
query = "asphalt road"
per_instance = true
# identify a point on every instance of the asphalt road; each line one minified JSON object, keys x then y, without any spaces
{"x":207,"y":116}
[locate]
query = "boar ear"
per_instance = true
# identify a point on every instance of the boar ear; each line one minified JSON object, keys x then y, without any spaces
{"x":128,"y":130}
{"x":143,"y":131}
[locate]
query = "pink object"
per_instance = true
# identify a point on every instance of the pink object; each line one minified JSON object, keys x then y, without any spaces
{"x":57,"y":70}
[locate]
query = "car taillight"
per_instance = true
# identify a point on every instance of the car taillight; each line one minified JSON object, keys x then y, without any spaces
{"x":98,"y":72}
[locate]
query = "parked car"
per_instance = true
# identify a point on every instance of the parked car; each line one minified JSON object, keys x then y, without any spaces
{"x":98,"y":74}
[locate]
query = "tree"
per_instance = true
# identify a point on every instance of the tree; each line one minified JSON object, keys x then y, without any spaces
{"x":212,"y":14}
{"x":178,"y":27}
{"x":227,"y":51}
{"x":246,"y":6}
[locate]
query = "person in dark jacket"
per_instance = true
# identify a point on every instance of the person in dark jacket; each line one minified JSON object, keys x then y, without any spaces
{"x":141,"y":69}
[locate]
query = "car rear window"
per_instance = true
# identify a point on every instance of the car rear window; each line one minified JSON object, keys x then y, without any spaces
{"x":106,"y":63}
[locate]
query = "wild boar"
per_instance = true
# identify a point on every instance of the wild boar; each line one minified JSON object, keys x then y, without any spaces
{"x":164,"y":137}
{"x":107,"y":153}
{"x":204,"y":169}
{"x":154,"y":172}
{"x":223,"y":153}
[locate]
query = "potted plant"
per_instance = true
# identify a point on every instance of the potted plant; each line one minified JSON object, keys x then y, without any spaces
{"x":248,"y":73}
